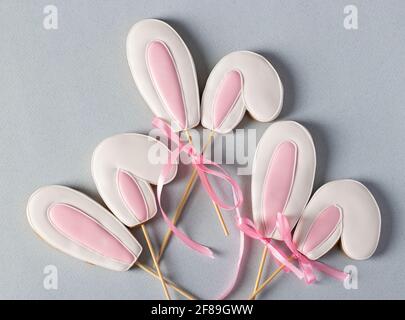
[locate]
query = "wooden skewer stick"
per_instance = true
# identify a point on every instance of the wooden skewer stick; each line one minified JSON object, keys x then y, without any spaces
{"x":221,"y":219}
{"x":268,"y":280}
{"x":168,"y":282}
{"x":260,"y":272}
{"x":152,"y":253}
{"x":184,"y":198}
{"x":217,"y":210}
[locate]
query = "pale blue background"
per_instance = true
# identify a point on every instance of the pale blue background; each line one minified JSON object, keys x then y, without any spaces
{"x":63,"y":91}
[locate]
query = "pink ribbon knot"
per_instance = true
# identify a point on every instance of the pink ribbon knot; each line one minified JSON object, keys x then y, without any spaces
{"x":248,"y":228}
{"x":304,"y":263}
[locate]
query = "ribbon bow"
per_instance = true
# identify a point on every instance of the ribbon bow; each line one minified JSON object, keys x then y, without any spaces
{"x":248,"y":228}
{"x":200,"y":163}
{"x":306,"y":266}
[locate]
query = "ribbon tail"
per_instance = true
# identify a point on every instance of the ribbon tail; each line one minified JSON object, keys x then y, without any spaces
{"x":332,"y":272}
{"x":236,"y":275}
{"x":178,"y":233}
{"x":308,"y":269}
{"x":187,"y":240}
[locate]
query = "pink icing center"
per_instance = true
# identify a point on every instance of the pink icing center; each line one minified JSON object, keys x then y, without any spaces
{"x":80,"y":228}
{"x":322,"y":228}
{"x":165,"y":78}
{"x":227,"y":95}
{"x":132,"y":195}
{"x":278,"y":183}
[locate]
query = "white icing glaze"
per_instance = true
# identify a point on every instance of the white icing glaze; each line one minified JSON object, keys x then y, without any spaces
{"x":140,"y":37}
{"x":132,"y":153}
{"x":361,"y":217}
{"x":38,"y":208}
{"x":262,"y":90}
{"x":301,"y":189}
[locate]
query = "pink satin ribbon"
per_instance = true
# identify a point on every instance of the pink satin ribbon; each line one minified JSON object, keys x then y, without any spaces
{"x":248,"y":228}
{"x":306,"y":266}
{"x":200,"y":164}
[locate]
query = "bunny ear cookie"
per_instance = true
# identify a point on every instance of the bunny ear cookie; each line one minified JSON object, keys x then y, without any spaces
{"x":241,"y":80}
{"x":78,"y":226}
{"x":282,"y":176}
{"x":164,"y":72}
{"x":353,"y":214}
{"x":123,"y":167}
